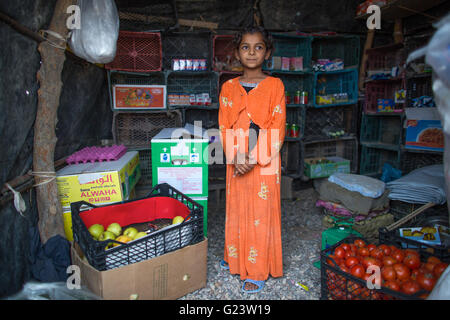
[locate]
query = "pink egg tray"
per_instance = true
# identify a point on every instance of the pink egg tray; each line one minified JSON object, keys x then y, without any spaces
{"x":97,"y":154}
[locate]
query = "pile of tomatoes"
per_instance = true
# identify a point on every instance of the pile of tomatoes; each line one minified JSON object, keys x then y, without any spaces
{"x":402,"y":270}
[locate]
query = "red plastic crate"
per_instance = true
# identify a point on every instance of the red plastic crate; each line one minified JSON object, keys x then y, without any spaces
{"x":381,"y":89}
{"x":385,"y":58}
{"x":138,"y":52}
{"x":222,"y":47}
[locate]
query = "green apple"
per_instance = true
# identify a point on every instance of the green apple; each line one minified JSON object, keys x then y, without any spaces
{"x":96,"y":230}
{"x":131,"y":232}
{"x":177,"y":219}
{"x":106,"y":235}
{"x":115,"y":228}
{"x":140,"y":235}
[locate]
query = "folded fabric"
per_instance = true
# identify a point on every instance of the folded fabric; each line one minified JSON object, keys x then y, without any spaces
{"x":423,"y":185}
{"x":340,"y":210}
{"x":367,"y":186}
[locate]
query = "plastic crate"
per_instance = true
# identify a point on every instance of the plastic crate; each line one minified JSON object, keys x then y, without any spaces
{"x":132,"y":78}
{"x":385,"y":58}
{"x":415,"y":160}
{"x":317,"y":120}
{"x":209,"y":118}
{"x":381,"y":130}
{"x":194,"y":83}
{"x":296,"y":82}
{"x":418,"y":86}
{"x":400,"y":209}
{"x":343,"y":47}
{"x":291,"y":159}
{"x":138,"y":52}
{"x":225,"y":76}
{"x":375,"y":90}
{"x":426,"y":250}
{"x":295,"y":115}
{"x":135,"y":130}
{"x":291,"y":46}
{"x":162,"y":202}
{"x":373,"y":159}
{"x":223,"y":52}
{"x":145,"y":162}
{"x":335,"y":82}
{"x":186,"y":45}
{"x":339,"y":285}
{"x":346,"y":148}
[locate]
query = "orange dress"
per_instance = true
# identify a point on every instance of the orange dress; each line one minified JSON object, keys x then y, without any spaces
{"x":253,"y":202}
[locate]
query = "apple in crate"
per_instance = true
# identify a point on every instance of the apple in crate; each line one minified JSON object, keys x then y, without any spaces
{"x":115,"y":228}
{"x":96,"y":230}
{"x":140,"y":235}
{"x":130,"y":232}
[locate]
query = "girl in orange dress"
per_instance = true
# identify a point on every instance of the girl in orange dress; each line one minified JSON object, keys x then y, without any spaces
{"x":252,"y":120}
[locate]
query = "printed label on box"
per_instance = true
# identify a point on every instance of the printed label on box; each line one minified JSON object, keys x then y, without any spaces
{"x":187,"y":181}
{"x":139,"y":96}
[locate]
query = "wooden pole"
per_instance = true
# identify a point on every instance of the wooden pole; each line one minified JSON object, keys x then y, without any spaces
{"x":49,"y":77}
{"x":362,"y":70}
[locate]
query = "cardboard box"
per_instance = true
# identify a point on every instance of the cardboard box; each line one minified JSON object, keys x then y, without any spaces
{"x":166,"y":277}
{"x":325,"y":167}
{"x":99,"y":182}
{"x":138,"y":97}
{"x":424,"y":129}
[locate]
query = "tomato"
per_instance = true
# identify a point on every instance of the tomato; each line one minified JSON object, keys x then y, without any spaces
{"x":371,"y":261}
{"x":439,"y":268}
{"x":393,"y":285}
{"x":429,"y":266}
{"x":412,"y":251}
{"x":393,"y":248}
{"x":348,"y":254}
{"x":377,"y":253}
{"x":345,"y":246}
{"x":351,"y":261}
{"x":412,"y":261}
{"x":339,"y":252}
{"x":364,"y":252}
{"x":398,"y":255}
{"x":416,"y":272}
{"x":353,"y":248}
{"x":389,"y":261}
{"x":358,"y":270}
{"x":426,"y":280}
{"x":359,"y":243}
{"x":388,"y":273}
{"x":344,"y":267}
{"x":371,"y":247}
{"x":410,"y":287}
{"x":402,"y":271}
{"x":331,"y":260}
{"x":385,"y":248}
{"x":433,"y":260}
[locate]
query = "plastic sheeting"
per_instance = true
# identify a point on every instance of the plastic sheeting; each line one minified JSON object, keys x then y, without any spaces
{"x":420,"y":186}
{"x":96,"y":39}
{"x":367,"y":186}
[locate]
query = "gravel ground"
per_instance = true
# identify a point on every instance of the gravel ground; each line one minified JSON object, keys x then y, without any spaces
{"x":301,"y":237}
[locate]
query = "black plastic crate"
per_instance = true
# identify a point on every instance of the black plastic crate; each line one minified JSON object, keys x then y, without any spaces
{"x":320,"y":120}
{"x":339,"y":285}
{"x":400,"y":209}
{"x":186,"y":45}
{"x":162,"y":241}
{"x":344,"y":47}
{"x":411,"y":160}
{"x":381,"y":129}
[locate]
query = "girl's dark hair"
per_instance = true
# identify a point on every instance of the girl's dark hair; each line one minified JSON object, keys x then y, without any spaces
{"x":267,"y":38}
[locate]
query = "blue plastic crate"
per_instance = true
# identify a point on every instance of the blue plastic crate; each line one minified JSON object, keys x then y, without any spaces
{"x":335,"y":82}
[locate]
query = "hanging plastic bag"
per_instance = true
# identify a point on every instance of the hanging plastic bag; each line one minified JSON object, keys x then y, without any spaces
{"x":96,"y":39}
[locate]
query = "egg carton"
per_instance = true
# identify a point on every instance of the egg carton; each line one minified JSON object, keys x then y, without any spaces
{"x":97,"y":154}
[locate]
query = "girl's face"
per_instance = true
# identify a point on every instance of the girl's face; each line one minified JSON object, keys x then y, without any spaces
{"x":252,"y":51}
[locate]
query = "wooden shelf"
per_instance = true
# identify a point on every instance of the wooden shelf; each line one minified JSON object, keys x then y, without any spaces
{"x":398,"y":9}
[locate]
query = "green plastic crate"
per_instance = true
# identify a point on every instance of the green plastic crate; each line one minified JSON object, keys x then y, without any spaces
{"x":286,"y":45}
{"x":373,"y":159}
{"x":345,"y":47}
{"x":382,"y":130}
